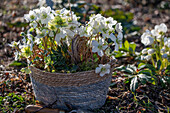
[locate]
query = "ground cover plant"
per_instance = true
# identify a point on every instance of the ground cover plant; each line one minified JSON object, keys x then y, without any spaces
{"x":140,"y":81}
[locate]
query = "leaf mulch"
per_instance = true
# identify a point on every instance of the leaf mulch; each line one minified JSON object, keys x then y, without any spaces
{"x":15,"y":90}
{"x":148,"y":98}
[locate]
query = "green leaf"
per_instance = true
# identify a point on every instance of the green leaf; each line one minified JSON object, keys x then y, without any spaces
{"x":119,"y":54}
{"x":96,"y":59}
{"x":134,"y":84}
{"x":17,"y":63}
{"x":167,"y":70}
{"x":26,"y":70}
{"x":147,"y":72}
{"x":141,"y":65}
{"x":129,"y":70}
{"x":151,"y":67}
{"x":126,"y":81}
{"x":168,"y":67}
{"x":125,"y":69}
{"x":132,"y":47}
{"x":143,"y":78}
{"x":123,"y":49}
{"x":17,"y":24}
{"x":132,"y":67}
{"x":158,"y":64}
{"x":113,"y":84}
{"x":126,"y":44}
{"x":129,"y":16}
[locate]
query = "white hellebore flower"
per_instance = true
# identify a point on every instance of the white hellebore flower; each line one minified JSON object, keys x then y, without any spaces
{"x":117,"y":41}
{"x":151,"y":51}
{"x":103,"y":69}
{"x":60,"y":36}
{"x":119,"y":27}
{"x":14,"y":44}
{"x":51,"y":34}
{"x":98,"y":47}
{"x":24,"y":40}
{"x":30,"y":17}
{"x":45,"y":15}
{"x":159,"y":30}
{"x":17,"y":55}
{"x":146,"y":38}
{"x":167,"y":41}
{"x":148,"y":57}
{"x":163,"y":50}
{"x":144,"y":51}
{"x":41,"y":34}
{"x":165,"y":55}
{"x":85,"y":31}
{"x":37,"y":40}
{"x":110,"y":22}
{"x":33,"y":24}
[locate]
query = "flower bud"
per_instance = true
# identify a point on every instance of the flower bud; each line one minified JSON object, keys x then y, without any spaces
{"x":22,"y":34}
{"x":151,"y":51}
{"x":164,"y":56}
{"x":148,"y":57}
{"x":163,"y":50}
{"x":142,"y":57}
{"x":144,"y":51}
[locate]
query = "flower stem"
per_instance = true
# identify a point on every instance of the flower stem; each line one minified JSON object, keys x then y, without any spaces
{"x":153,"y":63}
{"x":70,"y":10}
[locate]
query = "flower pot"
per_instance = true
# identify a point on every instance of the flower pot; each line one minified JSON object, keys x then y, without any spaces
{"x":82,"y":90}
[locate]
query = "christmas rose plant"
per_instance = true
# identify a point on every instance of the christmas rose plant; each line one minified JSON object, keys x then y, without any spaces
{"x":158,"y":48}
{"x":57,"y":42}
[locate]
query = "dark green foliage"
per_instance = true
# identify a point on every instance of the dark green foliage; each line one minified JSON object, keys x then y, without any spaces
{"x":17,"y":24}
{"x":60,"y":62}
{"x":13,"y":103}
{"x":129,"y":48}
{"x":18,"y":64}
{"x":137,"y":76}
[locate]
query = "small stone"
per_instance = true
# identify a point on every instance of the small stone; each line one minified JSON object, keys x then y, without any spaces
{"x":33,"y":108}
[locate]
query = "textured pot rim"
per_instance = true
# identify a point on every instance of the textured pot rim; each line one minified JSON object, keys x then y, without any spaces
{"x":66,"y":79}
{"x":61,"y":73}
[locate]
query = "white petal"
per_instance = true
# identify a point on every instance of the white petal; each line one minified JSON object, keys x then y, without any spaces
{"x":107,"y":66}
{"x":97,"y":70}
{"x":113,"y":57}
{"x":57,"y":39}
{"x":100,"y":65}
{"x":48,"y":9}
{"x":108,"y":71}
{"x":95,"y":43}
{"x":120,"y":36}
{"x":153,"y":32}
{"x":104,"y":47}
{"x":101,"y":41}
{"x":102,"y":74}
{"x":51,"y":34}
{"x":116,"y":47}
{"x":164,"y":27}
{"x":120,"y":44}
{"x":95,"y":49}
{"x":112,"y":37}
{"x":100,"y":53}
{"x":118,"y":27}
